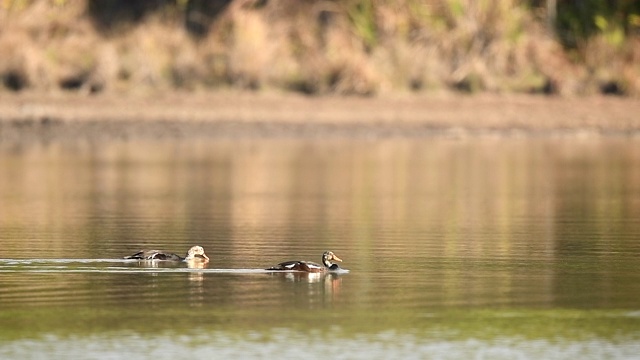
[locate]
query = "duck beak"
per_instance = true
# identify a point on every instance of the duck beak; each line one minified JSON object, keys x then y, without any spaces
{"x":205,"y":256}
{"x":336,"y":258}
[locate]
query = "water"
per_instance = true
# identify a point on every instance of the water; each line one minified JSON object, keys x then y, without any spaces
{"x":470,"y":248}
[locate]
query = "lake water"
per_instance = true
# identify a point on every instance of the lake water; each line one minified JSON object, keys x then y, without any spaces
{"x":482,"y":248}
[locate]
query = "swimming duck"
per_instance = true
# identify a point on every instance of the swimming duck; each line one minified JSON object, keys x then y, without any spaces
{"x":195,"y":253}
{"x":307,"y":266}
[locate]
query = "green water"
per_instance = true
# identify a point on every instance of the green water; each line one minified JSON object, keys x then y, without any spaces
{"x":477,"y":248}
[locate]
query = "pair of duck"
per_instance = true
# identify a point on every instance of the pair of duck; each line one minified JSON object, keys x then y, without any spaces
{"x":196,"y":253}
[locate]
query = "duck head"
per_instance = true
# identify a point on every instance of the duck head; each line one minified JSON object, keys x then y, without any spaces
{"x":197,"y":253}
{"x":328,"y":257}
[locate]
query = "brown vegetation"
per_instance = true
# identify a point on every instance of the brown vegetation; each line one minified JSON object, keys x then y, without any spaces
{"x":342,"y":47}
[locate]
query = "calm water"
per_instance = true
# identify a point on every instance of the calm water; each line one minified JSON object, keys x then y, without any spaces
{"x":477,"y":248}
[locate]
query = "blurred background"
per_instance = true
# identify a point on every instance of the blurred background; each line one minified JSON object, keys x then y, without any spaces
{"x":475,"y":163}
{"x":322,"y":47}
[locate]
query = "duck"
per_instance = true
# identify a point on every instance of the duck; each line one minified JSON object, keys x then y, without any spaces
{"x":298,"y":265}
{"x":195,"y":253}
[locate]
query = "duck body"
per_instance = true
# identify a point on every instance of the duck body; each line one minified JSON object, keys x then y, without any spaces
{"x":307,"y":266}
{"x":195,"y":253}
{"x":299,"y":265}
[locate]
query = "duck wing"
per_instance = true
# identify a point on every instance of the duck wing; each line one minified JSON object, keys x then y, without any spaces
{"x":154,"y":255}
{"x":286,"y":265}
{"x":140,"y":255}
{"x":298,"y":265}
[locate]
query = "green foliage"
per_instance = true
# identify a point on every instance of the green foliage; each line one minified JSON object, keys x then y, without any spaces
{"x":362,"y":15}
{"x":456,"y":8}
{"x":614,"y":33}
{"x":580,"y":20}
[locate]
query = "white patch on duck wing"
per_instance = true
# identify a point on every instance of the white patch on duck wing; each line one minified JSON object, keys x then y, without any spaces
{"x":314,"y":265}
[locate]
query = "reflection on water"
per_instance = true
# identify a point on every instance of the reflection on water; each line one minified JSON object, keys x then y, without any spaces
{"x":488,"y":248}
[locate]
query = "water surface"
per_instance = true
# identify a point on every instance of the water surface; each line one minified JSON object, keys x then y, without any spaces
{"x":484,"y":248}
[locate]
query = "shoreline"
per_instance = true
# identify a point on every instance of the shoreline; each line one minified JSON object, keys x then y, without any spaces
{"x":46,"y":118}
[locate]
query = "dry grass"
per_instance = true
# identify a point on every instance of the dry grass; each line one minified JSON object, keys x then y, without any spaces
{"x":344,"y":47}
